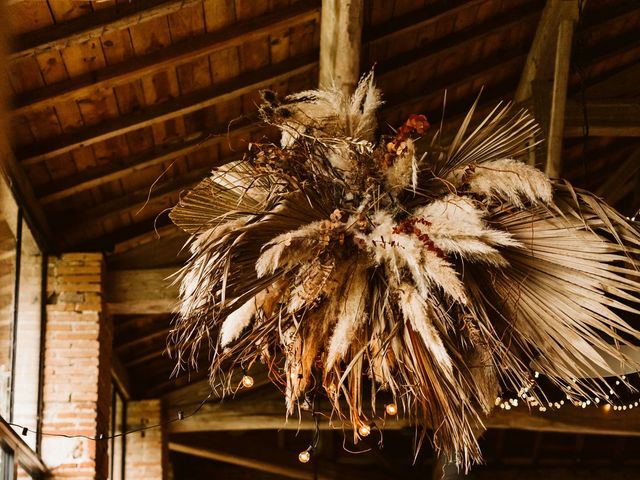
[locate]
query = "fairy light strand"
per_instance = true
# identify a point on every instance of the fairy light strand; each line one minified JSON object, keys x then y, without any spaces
{"x":179,"y":417}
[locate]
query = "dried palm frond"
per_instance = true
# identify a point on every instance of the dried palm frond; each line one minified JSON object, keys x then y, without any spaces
{"x":344,"y":259}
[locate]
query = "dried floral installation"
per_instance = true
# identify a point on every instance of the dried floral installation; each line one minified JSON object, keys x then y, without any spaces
{"x":342,"y":258}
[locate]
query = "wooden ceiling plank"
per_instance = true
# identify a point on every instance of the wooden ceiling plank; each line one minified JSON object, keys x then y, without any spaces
{"x":173,"y":56}
{"x":340,"y":44}
{"x":234,"y":88}
{"x":417,"y":20}
{"x":451,"y":44}
{"x":89,"y":27}
{"x":94,"y":177}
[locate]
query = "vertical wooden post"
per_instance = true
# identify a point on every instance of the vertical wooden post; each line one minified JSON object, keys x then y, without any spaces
{"x":340,"y":43}
{"x":543,"y":83}
{"x":559,"y":98}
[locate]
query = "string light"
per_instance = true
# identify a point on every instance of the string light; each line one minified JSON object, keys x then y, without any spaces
{"x":364,"y":430}
{"x":391,"y":409}
{"x":304,"y":456}
{"x":606,"y":408}
{"x":101,"y":436}
{"x":247,"y":381}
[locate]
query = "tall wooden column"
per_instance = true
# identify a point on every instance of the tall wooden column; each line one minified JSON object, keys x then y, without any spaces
{"x":340,"y":43}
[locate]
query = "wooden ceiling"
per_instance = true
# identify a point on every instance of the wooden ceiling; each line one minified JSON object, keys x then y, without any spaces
{"x":119,"y":106}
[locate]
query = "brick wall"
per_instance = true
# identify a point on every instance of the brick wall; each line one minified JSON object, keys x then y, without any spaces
{"x":145,"y":455}
{"x":76,"y":391}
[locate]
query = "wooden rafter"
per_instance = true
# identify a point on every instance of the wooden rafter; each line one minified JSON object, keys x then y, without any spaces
{"x":121,"y":376}
{"x":234,"y":88}
{"x":418,"y":20}
{"x":89,"y":27}
{"x":340,"y":43}
{"x":106,"y":243}
{"x":170,"y":57}
{"x":135,"y":201}
{"x":622,"y":180}
{"x":618,"y":117}
{"x":164,"y":153}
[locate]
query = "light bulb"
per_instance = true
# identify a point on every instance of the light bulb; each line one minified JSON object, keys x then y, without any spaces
{"x":304,"y":456}
{"x":364,"y":430}
{"x":606,"y":407}
{"x":247,"y":381}
{"x":391,"y":409}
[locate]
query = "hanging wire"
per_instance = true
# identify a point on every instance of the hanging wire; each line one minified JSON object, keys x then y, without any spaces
{"x":180,"y":416}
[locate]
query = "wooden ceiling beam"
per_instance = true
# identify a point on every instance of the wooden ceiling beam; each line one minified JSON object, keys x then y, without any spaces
{"x":622,"y":84}
{"x":107,"y":242}
{"x":266,"y":412}
{"x":130,"y":292}
{"x":140,"y":341}
{"x":280,"y":469}
{"x":618,"y":117}
{"x":92,"y":26}
{"x":168,"y":231}
{"x":340,"y":44}
{"x":559,"y":88}
{"x":112,"y":171}
{"x":544,"y":80}
{"x":25,"y":196}
{"x":540,"y":60}
{"x":236,"y":87}
{"x":196,"y":392}
{"x":169,"y":57}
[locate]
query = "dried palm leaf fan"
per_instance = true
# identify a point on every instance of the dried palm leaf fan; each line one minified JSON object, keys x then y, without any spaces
{"x":340,"y":258}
